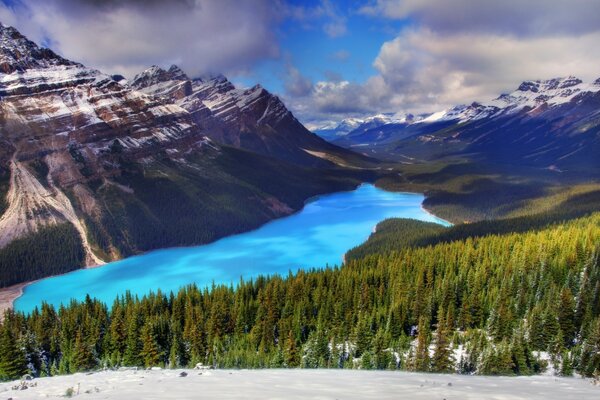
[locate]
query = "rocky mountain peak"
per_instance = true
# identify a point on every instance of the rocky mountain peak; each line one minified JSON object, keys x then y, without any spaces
{"x":17,"y":53}
{"x":529,"y":86}
{"x":155,"y":75}
{"x":550,"y":84}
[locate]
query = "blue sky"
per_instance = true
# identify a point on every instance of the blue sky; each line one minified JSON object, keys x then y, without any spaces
{"x":329,"y":59}
{"x":319,"y":55}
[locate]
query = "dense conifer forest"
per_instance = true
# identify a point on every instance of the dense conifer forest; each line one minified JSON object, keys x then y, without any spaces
{"x":33,"y":257}
{"x":509,"y":303}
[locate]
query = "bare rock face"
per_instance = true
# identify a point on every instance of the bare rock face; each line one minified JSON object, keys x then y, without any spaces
{"x":17,"y":53}
{"x":64,"y":125}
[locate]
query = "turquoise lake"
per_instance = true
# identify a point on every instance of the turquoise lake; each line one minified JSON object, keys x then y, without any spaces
{"x":316,"y":236}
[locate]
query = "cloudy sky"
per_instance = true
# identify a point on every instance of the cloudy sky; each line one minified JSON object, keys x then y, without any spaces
{"x":330,"y":59}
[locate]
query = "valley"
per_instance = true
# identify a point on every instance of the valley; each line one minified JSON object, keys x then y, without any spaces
{"x":178,"y":219}
{"x":316,"y":236}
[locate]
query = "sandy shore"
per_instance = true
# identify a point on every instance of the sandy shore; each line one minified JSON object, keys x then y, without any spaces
{"x":300,"y":384}
{"x":433,"y":215}
{"x":8,"y":295}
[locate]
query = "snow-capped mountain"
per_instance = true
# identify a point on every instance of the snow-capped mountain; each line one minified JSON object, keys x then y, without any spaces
{"x":332,"y":131}
{"x":546,"y":123}
{"x":250,"y":118}
{"x":123,"y":166}
{"x":530,"y":97}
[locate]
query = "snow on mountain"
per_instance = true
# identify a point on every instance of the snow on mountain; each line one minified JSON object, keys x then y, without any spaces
{"x":70,"y":118}
{"x":332,"y":131}
{"x":529,"y":97}
{"x":250,"y":118}
{"x":18,"y":53}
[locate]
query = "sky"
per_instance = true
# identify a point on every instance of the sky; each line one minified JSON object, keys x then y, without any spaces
{"x":327,"y":59}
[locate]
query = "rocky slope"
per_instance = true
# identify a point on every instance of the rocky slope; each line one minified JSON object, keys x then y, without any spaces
{"x":140,"y":166}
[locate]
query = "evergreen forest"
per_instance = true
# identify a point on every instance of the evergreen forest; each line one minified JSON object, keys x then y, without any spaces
{"x":505,"y":303}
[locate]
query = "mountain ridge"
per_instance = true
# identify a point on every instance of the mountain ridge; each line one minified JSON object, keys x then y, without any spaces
{"x":249,"y":118}
{"x":543,"y":124}
{"x":104,"y":170}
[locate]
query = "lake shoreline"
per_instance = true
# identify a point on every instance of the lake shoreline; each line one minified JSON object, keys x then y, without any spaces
{"x":9,"y":295}
{"x":435,"y":216}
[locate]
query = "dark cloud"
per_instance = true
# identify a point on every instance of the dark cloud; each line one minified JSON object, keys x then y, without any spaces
{"x":125,"y":37}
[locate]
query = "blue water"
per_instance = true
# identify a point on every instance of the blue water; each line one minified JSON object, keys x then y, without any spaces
{"x":317,"y":236}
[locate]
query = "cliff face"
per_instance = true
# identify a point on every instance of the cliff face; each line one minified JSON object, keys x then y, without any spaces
{"x":62,"y":124}
{"x":141,"y":166}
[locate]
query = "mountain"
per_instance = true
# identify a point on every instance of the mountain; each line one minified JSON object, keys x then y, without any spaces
{"x":251,"y":119}
{"x":551,"y":124}
{"x":333,"y":131}
{"x":93,"y":168}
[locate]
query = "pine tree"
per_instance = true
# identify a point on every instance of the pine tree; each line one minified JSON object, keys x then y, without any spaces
{"x":12,"y":359}
{"x":362,"y":335}
{"x":519,"y":353}
{"x":83,"y":357}
{"x":566,"y":368}
{"x":133,"y":346}
{"x":566,"y":316}
{"x":421,"y":359}
{"x":150,"y":353}
{"x":381,"y":353}
{"x":291,"y":354}
{"x":443,"y":359}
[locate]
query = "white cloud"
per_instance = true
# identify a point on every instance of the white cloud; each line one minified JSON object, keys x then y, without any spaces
{"x":325,"y":14}
{"x":456,"y":52}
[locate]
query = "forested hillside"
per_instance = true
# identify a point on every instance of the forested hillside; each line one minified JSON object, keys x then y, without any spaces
{"x":485,"y":305}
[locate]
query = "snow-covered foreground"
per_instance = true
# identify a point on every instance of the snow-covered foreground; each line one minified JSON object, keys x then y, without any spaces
{"x":299,"y":384}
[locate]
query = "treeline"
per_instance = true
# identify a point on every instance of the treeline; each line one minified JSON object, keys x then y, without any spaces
{"x":396,"y":233}
{"x":169,"y":204}
{"x":474,"y":191}
{"x":51,"y":250}
{"x":481,"y":305}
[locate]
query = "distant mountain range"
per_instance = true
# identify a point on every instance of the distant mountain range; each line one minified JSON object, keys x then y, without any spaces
{"x":94,"y":168}
{"x":551,"y":124}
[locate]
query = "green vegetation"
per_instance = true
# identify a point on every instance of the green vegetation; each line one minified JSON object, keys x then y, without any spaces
{"x":395,"y":233}
{"x":460,"y":190}
{"x":499,"y":298}
{"x":35,"y":255}
{"x":168,"y":204}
